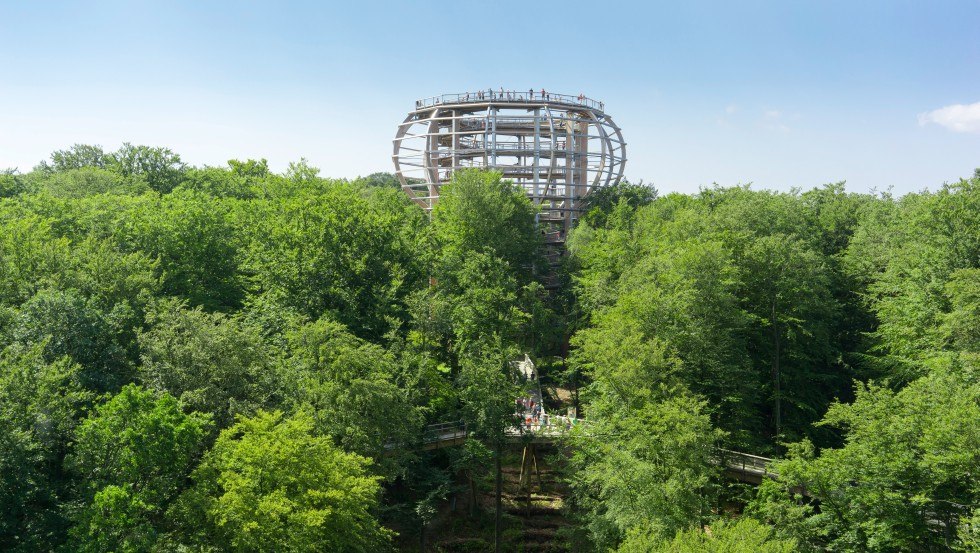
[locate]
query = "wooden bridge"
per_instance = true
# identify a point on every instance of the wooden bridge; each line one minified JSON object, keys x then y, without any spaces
{"x":538,"y":427}
{"x":744,"y":467}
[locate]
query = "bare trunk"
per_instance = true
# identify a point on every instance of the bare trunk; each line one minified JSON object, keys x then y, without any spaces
{"x":777,"y":392}
{"x":472,"y":495}
{"x":498,"y":516}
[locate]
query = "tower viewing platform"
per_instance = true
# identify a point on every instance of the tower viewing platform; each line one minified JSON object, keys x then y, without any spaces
{"x":509,"y":96}
{"x":557,"y":147}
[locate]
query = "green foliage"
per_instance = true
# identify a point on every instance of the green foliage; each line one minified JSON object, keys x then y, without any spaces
{"x":602,"y":201}
{"x":12,"y":183}
{"x":40,"y":403}
{"x":683,"y":302}
{"x":87,"y":181}
{"x":787,"y":288}
{"x":79,"y":156}
{"x":271,"y":484}
{"x":381,"y":180}
{"x":31,"y":257}
{"x":328,"y":249}
{"x":484,"y":293}
{"x":961,"y":326}
{"x":647,"y":466}
{"x":487,"y":394}
{"x":731,"y":316}
{"x":350,"y":386}
{"x":65,"y":324}
{"x":211,"y":362}
{"x":249,"y":168}
{"x":742,"y":536}
{"x":194,"y":238}
{"x":160,"y":168}
{"x":736,"y":285}
{"x":477,"y":212}
{"x":131,"y":457}
{"x":916,"y":245}
{"x":905,"y":478}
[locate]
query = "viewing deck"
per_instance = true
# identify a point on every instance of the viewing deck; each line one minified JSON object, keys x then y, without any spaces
{"x":510,"y":96}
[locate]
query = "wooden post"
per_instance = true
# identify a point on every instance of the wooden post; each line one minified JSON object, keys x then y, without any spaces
{"x":536,"y":471}
{"x":520,"y":479}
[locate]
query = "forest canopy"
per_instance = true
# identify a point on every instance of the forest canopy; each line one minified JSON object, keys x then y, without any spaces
{"x":230,"y":359}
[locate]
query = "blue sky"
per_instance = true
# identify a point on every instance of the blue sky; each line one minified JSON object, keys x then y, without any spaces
{"x":779,"y":94}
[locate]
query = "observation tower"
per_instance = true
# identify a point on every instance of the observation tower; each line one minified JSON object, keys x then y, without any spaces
{"x":557,"y":147}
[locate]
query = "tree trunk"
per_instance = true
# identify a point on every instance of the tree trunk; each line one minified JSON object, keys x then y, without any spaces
{"x":498,"y":516}
{"x":472,"y":495}
{"x":776,"y":388}
{"x":564,"y":363}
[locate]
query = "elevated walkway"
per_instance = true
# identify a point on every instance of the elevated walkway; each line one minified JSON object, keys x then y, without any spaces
{"x":744,"y":467}
{"x":543,"y":428}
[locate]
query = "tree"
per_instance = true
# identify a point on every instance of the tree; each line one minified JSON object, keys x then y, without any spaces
{"x":40,"y":403}
{"x":478,"y":212}
{"x":211,"y":362}
{"x":249,"y":168}
{"x":65,"y":324}
{"x":160,"y":167}
{"x":927,"y":238}
{"x":787,"y":292}
{"x":79,"y":156}
{"x":744,"y":535}
{"x":484,"y":299}
{"x":602,"y":201}
{"x":645,"y":465}
{"x":195,"y":240}
{"x":131,"y":458}
{"x":271,"y":484}
{"x":961,"y":326}
{"x":12,"y":183}
{"x":381,"y":180}
{"x":326,"y":249}
{"x":32,"y":256}
{"x":88,"y":181}
{"x":349,"y":385}
{"x":218,"y":182}
{"x":682,"y":300}
{"x":904,"y":479}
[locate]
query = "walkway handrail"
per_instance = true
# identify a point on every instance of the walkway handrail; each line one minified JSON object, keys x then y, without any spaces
{"x":559,"y":425}
{"x":443,"y":430}
{"x":509,"y":96}
{"x":745,"y":461}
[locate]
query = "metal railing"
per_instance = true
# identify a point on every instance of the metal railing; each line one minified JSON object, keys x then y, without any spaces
{"x":510,"y":96}
{"x":745,"y":462}
{"x":443,"y":431}
{"x":558,"y":425}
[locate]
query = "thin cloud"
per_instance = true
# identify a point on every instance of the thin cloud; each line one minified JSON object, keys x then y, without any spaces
{"x":957,"y":117}
{"x":772,"y":119}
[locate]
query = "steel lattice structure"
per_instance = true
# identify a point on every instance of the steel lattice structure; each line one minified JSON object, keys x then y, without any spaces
{"x":557,"y":147}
